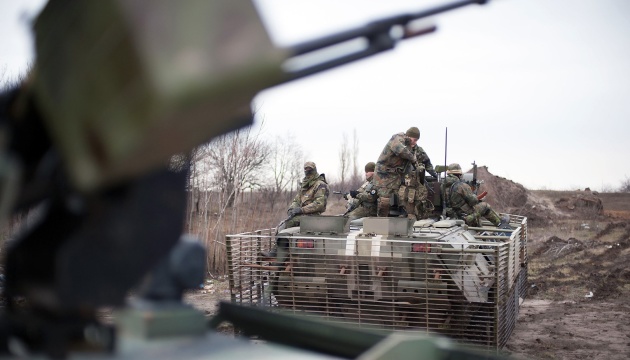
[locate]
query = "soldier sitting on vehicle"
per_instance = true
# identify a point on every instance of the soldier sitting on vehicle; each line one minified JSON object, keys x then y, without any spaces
{"x":362,"y":202}
{"x":310,"y":200}
{"x":461,"y":202}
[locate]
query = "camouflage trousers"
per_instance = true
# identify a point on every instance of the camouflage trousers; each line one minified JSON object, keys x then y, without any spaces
{"x":282,"y":245}
{"x":414,"y":200}
{"x":362,"y":211}
{"x":387,"y":184}
{"x":481,"y":210}
{"x":293,"y":222}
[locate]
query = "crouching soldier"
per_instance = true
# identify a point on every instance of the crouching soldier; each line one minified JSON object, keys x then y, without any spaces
{"x":461,"y":202}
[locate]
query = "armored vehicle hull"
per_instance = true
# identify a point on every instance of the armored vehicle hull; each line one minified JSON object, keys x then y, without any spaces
{"x":391,"y":274}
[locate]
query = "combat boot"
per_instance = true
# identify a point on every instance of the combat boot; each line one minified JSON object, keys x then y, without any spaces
{"x":505,"y":222}
{"x":271,"y":254}
{"x":278,"y":252}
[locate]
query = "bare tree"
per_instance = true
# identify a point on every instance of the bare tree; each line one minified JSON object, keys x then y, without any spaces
{"x":356,"y":177}
{"x":234,"y":162}
{"x":3,"y":77}
{"x":6,"y":81}
{"x":625,"y":185}
{"x":344,"y":159}
{"x":285,"y":161}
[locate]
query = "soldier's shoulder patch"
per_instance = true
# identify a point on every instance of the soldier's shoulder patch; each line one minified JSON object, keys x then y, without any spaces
{"x":373,"y":192}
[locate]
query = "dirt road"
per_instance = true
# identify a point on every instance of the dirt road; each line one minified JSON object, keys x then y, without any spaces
{"x":571,"y":330}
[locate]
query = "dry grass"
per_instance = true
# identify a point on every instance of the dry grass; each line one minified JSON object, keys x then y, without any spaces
{"x":618,"y":214}
{"x":250,"y":212}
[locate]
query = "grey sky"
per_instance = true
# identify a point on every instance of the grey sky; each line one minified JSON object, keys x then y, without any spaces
{"x":16,"y":43}
{"x":534,"y":89}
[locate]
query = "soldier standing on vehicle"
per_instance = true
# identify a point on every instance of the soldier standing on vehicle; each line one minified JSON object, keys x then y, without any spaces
{"x":363,"y":200}
{"x":461,"y":202}
{"x":311,"y":199}
{"x":396,"y":155}
{"x":413,"y":193}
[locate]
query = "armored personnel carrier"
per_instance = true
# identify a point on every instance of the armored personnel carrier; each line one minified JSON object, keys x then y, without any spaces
{"x":391,"y":273}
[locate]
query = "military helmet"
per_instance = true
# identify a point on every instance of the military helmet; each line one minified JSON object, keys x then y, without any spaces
{"x":369,"y":167}
{"x":310,"y":164}
{"x":413,"y":132}
{"x":454,"y":168}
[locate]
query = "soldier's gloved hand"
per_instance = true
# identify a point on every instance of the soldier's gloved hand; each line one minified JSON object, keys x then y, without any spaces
{"x":346,"y":196}
{"x":353,"y":193}
{"x":296,"y":211}
{"x":432,"y":173}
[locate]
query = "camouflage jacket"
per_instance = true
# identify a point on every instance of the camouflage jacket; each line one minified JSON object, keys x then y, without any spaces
{"x":367,"y":193}
{"x":458,"y":195}
{"x":423,"y":158}
{"x":395,"y":155}
{"x":312,"y":196}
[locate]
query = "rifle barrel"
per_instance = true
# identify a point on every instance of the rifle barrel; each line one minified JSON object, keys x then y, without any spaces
{"x":377,"y":27}
{"x":378,"y":35}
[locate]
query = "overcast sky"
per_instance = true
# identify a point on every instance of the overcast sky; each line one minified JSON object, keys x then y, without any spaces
{"x":534,"y":89}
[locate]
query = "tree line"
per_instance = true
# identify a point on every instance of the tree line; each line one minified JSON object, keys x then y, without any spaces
{"x":245,"y":161}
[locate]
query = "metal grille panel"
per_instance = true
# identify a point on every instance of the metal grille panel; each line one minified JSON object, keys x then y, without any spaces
{"x":465,"y":285}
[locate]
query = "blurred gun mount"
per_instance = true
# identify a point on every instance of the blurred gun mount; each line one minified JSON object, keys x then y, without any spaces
{"x":118,"y":88}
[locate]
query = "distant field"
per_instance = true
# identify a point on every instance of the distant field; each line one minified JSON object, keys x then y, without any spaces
{"x":616,"y":205}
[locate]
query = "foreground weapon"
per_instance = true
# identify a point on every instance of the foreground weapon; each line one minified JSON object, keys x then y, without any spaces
{"x":109,"y":103}
{"x":338,"y":341}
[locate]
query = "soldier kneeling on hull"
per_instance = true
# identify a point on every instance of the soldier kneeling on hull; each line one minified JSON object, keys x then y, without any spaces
{"x":461,"y":202}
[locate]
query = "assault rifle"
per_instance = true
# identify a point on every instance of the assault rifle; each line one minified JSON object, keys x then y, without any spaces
{"x":291,"y":216}
{"x":344,"y":194}
{"x":475,"y":183}
{"x":352,"y":204}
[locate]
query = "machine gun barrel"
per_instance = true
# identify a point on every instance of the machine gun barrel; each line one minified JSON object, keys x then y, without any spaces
{"x":378,"y":34}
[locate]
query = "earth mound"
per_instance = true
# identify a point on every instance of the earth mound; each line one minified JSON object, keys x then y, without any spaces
{"x":541,"y":207}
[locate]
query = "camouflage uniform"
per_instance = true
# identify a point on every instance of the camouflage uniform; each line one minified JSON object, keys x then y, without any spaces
{"x":423,"y":158}
{"x":390,"y":166}
{"x":413,"y":193}
{"x":366,"y":199}
{"x":462,"y":203}
{"x":312,"y":199}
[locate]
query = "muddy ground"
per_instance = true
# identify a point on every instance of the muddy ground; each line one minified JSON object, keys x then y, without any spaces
{"x":578,"y":303}
{"x":577,"y":306}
